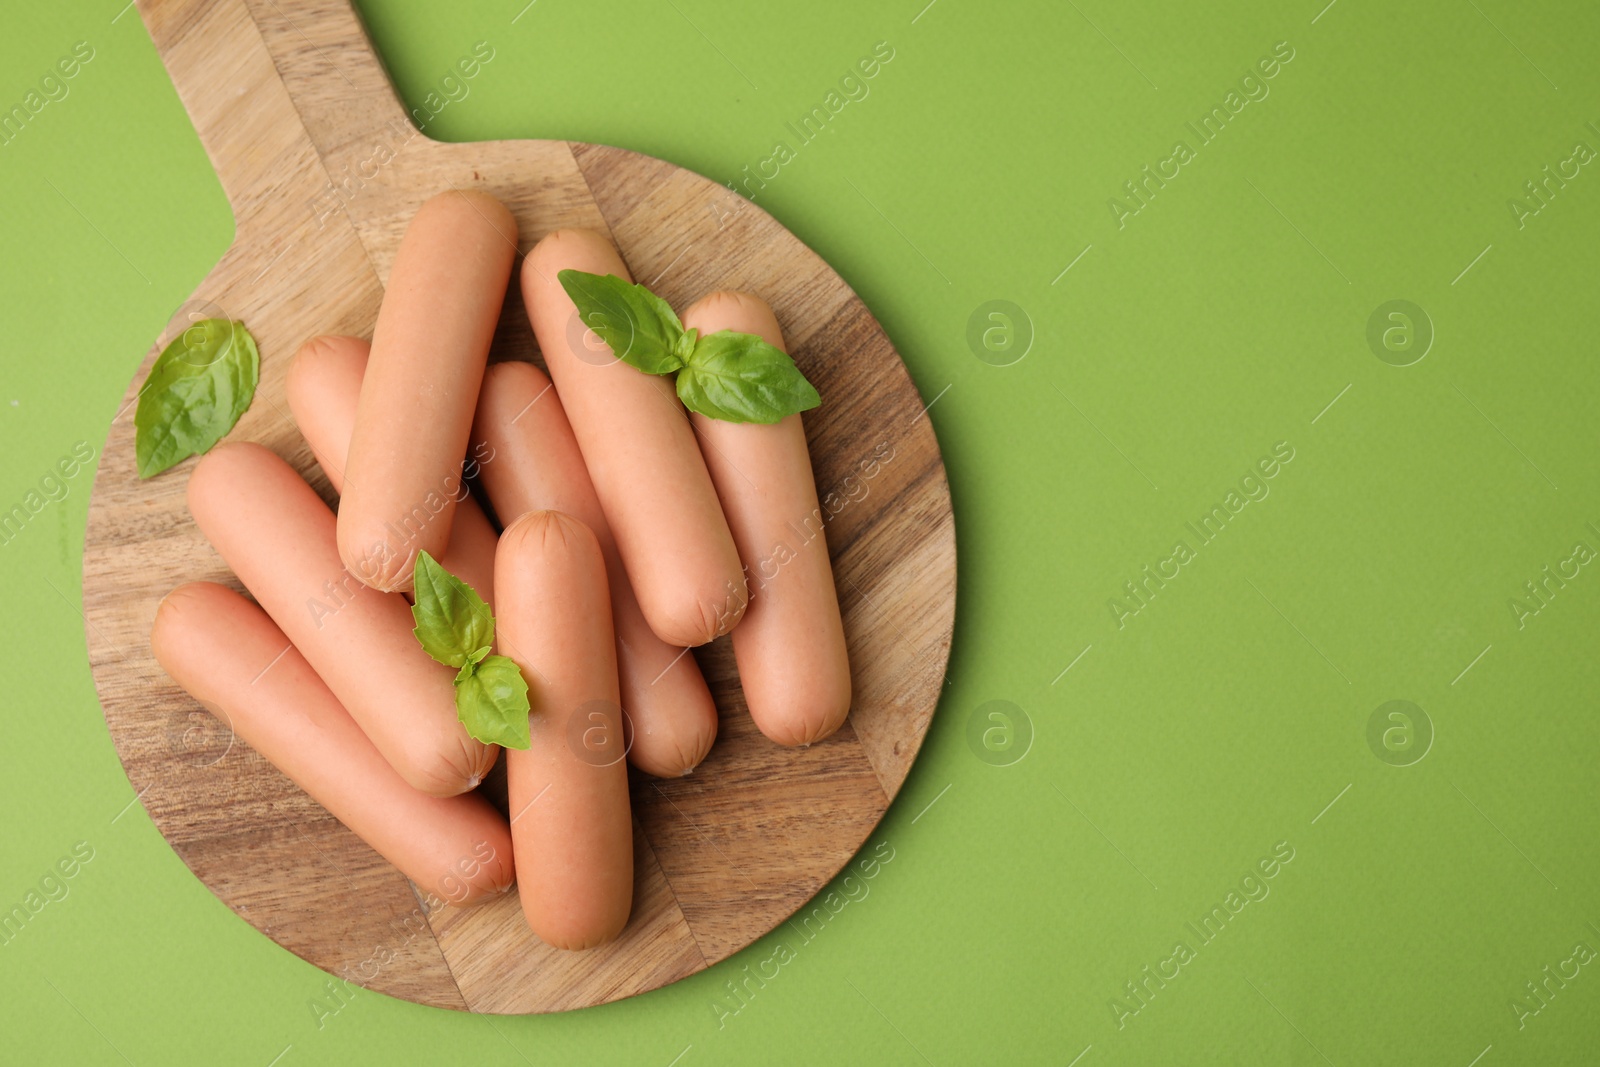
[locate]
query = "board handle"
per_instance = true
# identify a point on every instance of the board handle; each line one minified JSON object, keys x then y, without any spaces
{"x":281,"y":92}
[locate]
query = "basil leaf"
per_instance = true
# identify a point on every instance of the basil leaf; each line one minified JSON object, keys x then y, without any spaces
{"x":454,"y":626}
{"x":453,"y":622}
{"x":493,"y":703}
{"x":735,"y":377}
{"x":639,"y":326}
{"x":738,"y":377}
{"x":196,"y":390}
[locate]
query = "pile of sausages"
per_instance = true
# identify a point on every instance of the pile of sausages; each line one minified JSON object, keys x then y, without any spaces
{"x":629,"y":525}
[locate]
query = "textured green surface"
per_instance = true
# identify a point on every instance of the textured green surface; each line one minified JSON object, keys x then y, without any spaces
{"x":1224,"y":717}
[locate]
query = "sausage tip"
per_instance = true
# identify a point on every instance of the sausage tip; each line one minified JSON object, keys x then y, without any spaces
{"x":481,"y":207}
{"x":563,"y":246}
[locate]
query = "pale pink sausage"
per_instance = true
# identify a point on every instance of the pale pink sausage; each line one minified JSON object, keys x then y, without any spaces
{"x":323,"y":388}
{"x":233,"y":659}
{"x":428,"y":352}
{"x":277,"y":535}
{"x":571,"y":827}
{"x":790,"y":648}
{"x":537,"y":467}
{"x":641,"y":455}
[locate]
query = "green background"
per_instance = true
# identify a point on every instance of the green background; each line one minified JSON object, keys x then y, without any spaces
{"x":1228,"y":715}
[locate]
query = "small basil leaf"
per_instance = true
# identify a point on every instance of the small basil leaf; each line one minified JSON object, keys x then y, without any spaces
{"x":452,"y":620}
{"x":639,"y":326}
{"x":492,"y":703}
{"x":684,"y":349}
{"x":738,"y":377}
{"x":196,"y":390}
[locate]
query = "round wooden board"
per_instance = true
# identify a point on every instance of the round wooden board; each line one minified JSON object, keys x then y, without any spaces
{"x":324,"y":169}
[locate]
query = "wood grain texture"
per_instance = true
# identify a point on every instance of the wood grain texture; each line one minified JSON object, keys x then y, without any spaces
{"x":323,"y":169}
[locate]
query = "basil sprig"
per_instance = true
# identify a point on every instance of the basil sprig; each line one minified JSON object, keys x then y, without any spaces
{"x":455,"y":627}
{"x":197,"y":388}
{"x":735,"y":377}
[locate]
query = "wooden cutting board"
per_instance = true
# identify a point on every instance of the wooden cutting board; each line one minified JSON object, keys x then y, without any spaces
{"x":324,"y":169}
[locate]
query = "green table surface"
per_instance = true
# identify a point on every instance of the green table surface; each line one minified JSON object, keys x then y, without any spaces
{"x":1077,"y":874}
